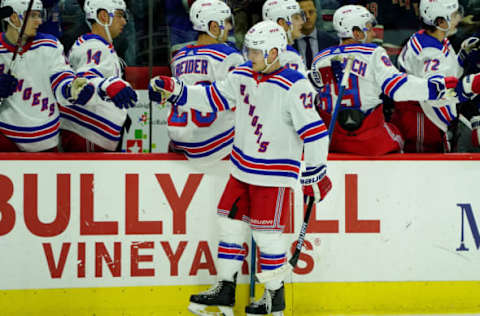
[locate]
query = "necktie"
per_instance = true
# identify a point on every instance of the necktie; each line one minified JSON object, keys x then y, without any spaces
{"x":308,"y":52}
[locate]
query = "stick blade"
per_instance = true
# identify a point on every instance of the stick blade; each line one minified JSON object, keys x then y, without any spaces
{"x":279,"y":273}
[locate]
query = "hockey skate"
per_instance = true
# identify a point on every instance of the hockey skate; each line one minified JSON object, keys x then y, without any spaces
{"x":272,"y":302}
{"x":221,"y":295}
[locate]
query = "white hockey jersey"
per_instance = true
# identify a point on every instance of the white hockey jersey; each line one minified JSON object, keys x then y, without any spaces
{"x":372,"y":73}
{"x":275,"y":120}
{"x":30,"y":116}
{"x":425,"y":56}
{"x":294,"y":60}
{"x":205,"y":137}
{"x":99,"y":121}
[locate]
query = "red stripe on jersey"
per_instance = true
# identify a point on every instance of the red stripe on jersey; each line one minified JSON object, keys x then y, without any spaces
{"x":212,"y":52}
{"x":445,"y":113}
{"x":209,"y":146}
{"x":60,"y":78}
{"x":216,"y":99}
{"x":288,"y":83}
{"x":314,"y":131}
{"x":263,"y":166}
{"x":87,"y":119}
{"x":392,"y":84}
{"x":31,"y":134}
{"x":232,"y":250}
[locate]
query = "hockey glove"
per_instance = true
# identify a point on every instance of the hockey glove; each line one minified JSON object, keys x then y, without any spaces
{"x":337,"y":69}
{"x":162,"y":89}
{"x":469,"y":53}
{"x":316,"y":183}
{"x":120,"y":92}
{"x":439,"y":85}
{"x":475,"y":121}
{"x":79,"y":91}
{"x":467,"y":87}
{"x":8,"y":85}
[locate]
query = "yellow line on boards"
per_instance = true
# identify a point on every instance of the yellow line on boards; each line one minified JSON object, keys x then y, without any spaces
{"x":307,"y":299}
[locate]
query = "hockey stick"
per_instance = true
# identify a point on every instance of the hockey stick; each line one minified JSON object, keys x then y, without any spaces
{"x":281,"y":272}
{"x":22,"y":31}
{"x":253,"y":269}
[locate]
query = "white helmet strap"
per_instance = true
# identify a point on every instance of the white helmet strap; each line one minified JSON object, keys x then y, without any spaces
{"x":106,"y":26}
{"x":17,"y":28}
{"x":269,"y":65}
{"x":221,"y":25}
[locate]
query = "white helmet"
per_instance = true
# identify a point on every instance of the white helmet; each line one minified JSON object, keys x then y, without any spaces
{"x":20,"y":7}
{"x":350,"y":16}
{"x":280,"y":9}
{"x":91,"y":8}
{"x":273,"y":10}
{"x":265,"y":36}
{"x":430,"y":10}
{"x":203,"y":12}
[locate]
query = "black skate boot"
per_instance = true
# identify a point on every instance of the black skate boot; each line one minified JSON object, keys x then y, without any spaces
{"x":221,"y":294}
{"x":272,"y":302}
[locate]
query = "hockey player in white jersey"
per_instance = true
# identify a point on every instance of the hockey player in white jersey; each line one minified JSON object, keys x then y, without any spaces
{"x":204,"y":137}
{"x":289,"y":15}
{"x":360,"y":126}
{"x":275,"y":121}
{"x":33,"y":85}
{"x":428,"y":53}
{"x":98,"y":125}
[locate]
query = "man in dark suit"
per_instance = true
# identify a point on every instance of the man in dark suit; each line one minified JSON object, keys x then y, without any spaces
{"x":313,"y":39}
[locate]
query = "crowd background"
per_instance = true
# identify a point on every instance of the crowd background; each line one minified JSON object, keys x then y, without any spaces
{"x":167,"y":23}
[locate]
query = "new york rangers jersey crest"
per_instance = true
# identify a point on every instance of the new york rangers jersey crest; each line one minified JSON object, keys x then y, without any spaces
{"x":30,"y":117}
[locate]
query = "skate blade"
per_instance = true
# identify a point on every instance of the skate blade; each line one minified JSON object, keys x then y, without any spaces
{"x":200,"y":310}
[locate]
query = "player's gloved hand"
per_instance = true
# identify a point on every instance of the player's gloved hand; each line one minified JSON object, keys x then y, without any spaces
{"x":162,"y":89}
{"x":475,"y":121}
{"x":439,"y":86}
{"x":468,"y":87}
{"x":8,"y":85}
{"x":120,"y":92}
{"x":79,"y":91}
{"x":470,"y":51}
{"x":316,"y":183}
{"x":337,"y":69}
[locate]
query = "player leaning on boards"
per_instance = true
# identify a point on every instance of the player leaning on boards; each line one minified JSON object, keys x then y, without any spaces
{"x":360,"y":126}
{"x":274,"y":121}
{"x":289,"y":15}
{"x":98,"y":126}
{"x":32,"y":85}
{"x":204,"y":137}
{"x":428,"y":52}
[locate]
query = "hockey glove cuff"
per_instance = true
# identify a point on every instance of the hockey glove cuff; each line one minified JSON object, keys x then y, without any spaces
{"x":120,"y":92}
{"x":475,"y":121}
{"x":439,"y":85}
{"x":162,"y":89}
{"x":316,"y":183}
{"x":468,"y":87}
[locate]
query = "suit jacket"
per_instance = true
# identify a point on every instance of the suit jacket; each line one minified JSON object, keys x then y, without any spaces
{"x":324,"y":40}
